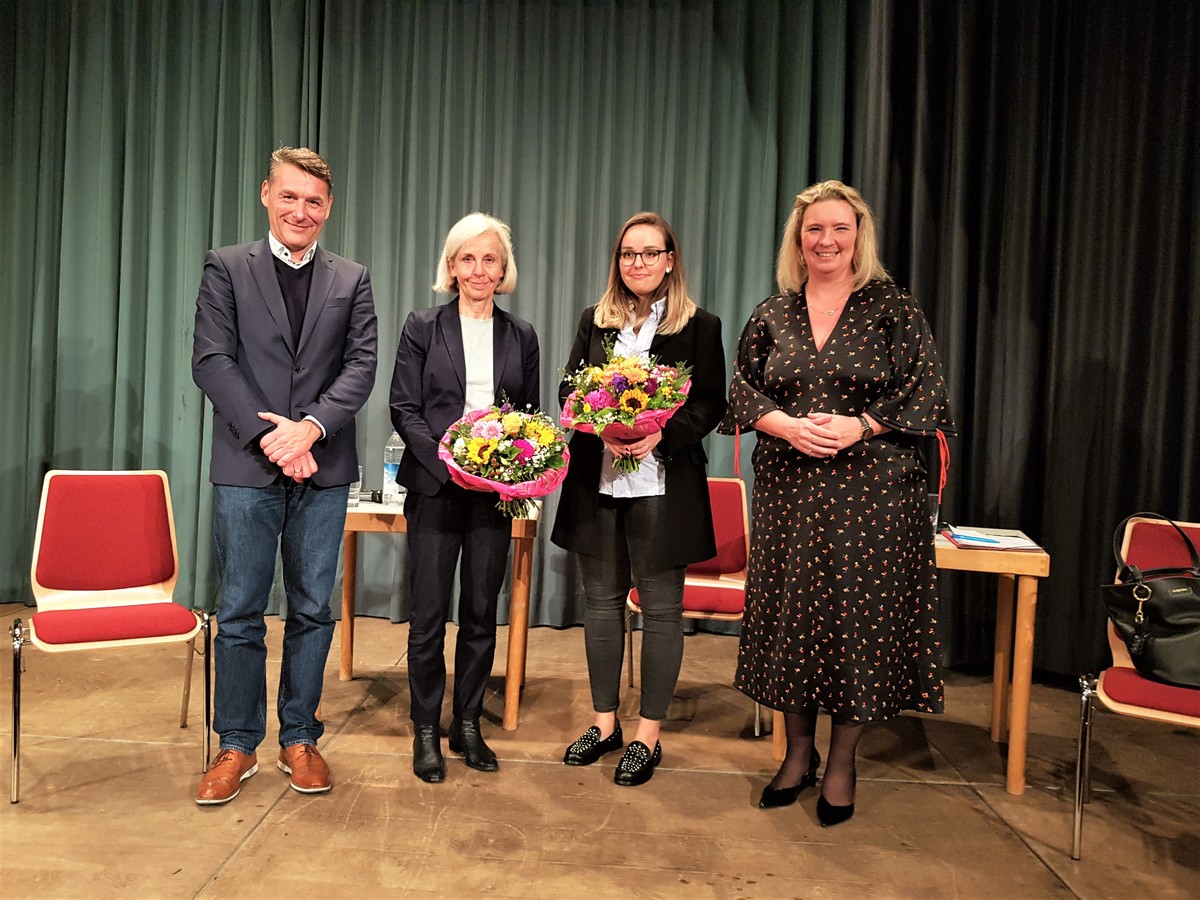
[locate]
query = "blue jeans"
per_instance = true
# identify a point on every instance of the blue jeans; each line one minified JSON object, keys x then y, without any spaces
{"x":305,"y":523}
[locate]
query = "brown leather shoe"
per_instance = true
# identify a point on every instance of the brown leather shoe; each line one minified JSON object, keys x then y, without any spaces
{"x":223,"y":780}
{"x":310,"y":774}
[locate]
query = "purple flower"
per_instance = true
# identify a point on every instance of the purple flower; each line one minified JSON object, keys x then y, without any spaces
{"x":599,"y":400}
{"x":620,"y":384}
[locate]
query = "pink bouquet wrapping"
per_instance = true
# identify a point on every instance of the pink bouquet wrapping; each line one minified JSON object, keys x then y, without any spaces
{"x":519,"y":455}
{"x":627,"y":398}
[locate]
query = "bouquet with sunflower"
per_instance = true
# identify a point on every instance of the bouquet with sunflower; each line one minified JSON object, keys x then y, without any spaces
{"x":519,"y":455}
{"x":627,"y":398}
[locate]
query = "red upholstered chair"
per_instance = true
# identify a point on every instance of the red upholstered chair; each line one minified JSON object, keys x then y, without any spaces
{"x":715,"y":588}
{"x":1148,"y":544}
{"x":103,"y":575}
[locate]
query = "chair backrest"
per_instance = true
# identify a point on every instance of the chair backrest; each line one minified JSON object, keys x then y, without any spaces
{"x":1151,"y":544}
{"x":104,"y":538}
{"x":731,"y":525}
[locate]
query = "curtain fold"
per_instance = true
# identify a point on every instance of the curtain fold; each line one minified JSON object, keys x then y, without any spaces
{"x":1035,"y":170}
{"x":142,"y":134}
{"x":1033,"y":165}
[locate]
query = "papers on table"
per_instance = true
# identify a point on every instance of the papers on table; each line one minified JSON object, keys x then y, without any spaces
{"x":988,"y":538}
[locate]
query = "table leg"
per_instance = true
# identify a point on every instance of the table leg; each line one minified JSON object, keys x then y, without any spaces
{"x":778,"y":736}
{"x":1002,"y":658}
{"x":1022,"y":683}
{"x":349,"y":577}
{"x":518,"y":630}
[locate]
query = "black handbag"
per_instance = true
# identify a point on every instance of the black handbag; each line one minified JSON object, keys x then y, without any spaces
{"x":1157,"y":613}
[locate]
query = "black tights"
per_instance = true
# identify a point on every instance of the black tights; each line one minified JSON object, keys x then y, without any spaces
{"x":837,"y":786}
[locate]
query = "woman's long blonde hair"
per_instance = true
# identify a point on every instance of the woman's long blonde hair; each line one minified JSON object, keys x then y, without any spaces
{"x":614,"y":307}
{"x":791,"y":271}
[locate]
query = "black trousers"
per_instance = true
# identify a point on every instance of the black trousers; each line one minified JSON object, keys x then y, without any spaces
{"x":629,"y":533}
{"x":453,"y":523}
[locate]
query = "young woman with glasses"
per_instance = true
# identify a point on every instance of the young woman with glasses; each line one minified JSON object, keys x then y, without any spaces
{"x":645,"y":527}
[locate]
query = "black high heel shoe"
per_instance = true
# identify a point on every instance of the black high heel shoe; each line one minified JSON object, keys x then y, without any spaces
{"x":772,"y":798}
{"x":828,"y":814}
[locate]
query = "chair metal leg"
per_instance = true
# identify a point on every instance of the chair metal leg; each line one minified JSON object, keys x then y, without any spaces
{"x":190,"y":650}
{"x":17,"y":631}
{"x":757,"y":719}
{"x":1087,"y":689}
{"x":206,"y":741}
{"x":629,"y":637}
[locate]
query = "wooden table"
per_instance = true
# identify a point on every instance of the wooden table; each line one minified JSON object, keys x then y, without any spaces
{"x":1018,"y":571}
{"x":380,"y":518}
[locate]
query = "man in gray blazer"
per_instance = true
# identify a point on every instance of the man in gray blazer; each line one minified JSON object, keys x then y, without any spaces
{"x":285,"y":348}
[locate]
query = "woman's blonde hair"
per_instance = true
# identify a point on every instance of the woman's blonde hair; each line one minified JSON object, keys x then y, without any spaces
{"x":465,"y":230}
{"x":791,"y":271}
{"x":614,"y":307}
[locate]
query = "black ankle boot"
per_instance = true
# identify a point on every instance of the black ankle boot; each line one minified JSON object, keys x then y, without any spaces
{"x":428,"y":764}
{"x":466,"y":739}
{"x":773,"y":798}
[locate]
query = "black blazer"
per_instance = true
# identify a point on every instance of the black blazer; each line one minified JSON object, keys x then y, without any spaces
{"x":691,"y":537}
{"x":244,"y":359}
{"x":429,"y":383}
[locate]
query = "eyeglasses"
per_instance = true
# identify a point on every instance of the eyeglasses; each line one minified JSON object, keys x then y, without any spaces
{"x":649,"y":256}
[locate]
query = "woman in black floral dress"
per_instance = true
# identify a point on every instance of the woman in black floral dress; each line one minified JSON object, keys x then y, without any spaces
{"x":839,"y":377}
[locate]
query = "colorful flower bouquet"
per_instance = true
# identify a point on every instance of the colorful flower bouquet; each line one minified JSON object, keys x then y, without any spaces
{"x":627,"y":398}
{"x":519,"y":455}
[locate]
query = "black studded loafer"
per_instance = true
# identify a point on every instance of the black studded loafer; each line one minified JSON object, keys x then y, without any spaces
{"x":590,"y":747}
{"x":637,"y":765}
{"x":466,"y":739}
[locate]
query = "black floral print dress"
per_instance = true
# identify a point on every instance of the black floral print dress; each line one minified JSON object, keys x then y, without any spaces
{"x":841,"y":598}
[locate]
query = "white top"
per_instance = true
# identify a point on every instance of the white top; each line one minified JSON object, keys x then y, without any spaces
{"x":478,"y":352}
{"x":650,"y":479}
{"x":285,"y":254}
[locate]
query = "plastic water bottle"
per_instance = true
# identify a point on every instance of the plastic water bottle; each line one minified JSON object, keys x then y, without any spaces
{"x":393,"y":493}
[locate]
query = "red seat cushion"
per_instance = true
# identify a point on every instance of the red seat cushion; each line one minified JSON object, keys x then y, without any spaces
{"x":1125,"y":685}
{"x":113,"y":623}
{"x":708,"y":599}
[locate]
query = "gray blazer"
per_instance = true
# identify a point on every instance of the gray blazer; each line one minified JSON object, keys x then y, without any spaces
{"x":245,"y":361}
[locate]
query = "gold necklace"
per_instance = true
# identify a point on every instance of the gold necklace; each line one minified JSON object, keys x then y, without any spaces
{"x":827,"y":312}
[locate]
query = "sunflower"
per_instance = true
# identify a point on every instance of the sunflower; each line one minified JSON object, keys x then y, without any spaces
{"x":480,"y":450}
{"x":633,"y":401}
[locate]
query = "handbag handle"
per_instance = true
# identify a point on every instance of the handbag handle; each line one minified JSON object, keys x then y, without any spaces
{"x":1133,"y":572}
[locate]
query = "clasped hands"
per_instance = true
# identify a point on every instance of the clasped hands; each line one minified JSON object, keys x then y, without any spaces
{"x":820,"y":433}
{"x":289,"y":445}
{"x":638,"y":448}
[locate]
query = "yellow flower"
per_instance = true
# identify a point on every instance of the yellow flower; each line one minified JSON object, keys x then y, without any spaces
{"x":543,"y":435}
{"x":512,"y":423}
{"x":479,"y":450}
{"x":633,"y":401}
